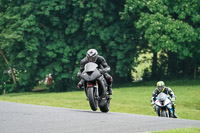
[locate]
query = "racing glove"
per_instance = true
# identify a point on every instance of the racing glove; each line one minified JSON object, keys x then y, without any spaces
{"x":152,"y":102}
{"x":173,"y":99}
{"x":79,"y":74}
{"x":102,"y":71}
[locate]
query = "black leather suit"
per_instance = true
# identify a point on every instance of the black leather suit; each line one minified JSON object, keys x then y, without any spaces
{"x":102,"y":64}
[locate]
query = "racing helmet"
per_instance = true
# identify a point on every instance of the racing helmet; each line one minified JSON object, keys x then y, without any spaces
{"x":161,"y":85}
{"x":92,"y":55}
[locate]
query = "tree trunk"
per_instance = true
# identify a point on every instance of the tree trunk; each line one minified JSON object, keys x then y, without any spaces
{"x":154,"y":66}
{"x":11,"y":70}
{"x":172,"y":64}
{"x":188,"y":67}
{"x":195,"y":72}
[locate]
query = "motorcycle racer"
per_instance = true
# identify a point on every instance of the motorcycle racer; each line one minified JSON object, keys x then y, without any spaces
{"x":92,"y":56}
{"x":168,"y":91}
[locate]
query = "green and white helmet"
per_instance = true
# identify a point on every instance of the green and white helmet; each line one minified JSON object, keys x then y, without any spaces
{"x":161,"y":85}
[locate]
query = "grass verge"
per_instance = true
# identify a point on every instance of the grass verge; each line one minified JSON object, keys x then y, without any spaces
{"x":182,"y":130}
{"x":133,"y":99}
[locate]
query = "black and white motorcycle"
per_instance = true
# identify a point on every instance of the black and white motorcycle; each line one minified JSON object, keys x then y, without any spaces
{"x":96,"y":87}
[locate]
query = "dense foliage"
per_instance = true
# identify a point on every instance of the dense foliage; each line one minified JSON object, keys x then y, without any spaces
{"x":39,"y":37}
{"x":169,"y":28}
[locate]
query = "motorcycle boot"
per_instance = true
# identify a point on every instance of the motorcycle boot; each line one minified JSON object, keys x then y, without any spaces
{"x":110,"y":92}
{"x":80,"y":84}
{"x":109,"y":80}
{"x":174,"y":115}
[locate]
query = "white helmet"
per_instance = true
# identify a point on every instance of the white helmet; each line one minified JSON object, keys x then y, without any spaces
{"x":92,"y":55}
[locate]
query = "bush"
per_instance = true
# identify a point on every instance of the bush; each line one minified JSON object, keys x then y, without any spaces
{"x":9,"y":88}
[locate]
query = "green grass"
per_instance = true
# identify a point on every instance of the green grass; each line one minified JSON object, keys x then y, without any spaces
{"x":182,"y":130}
{"x":133,"y":99}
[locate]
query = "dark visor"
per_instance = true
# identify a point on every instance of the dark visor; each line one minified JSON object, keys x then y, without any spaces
{"x":91,"y":59}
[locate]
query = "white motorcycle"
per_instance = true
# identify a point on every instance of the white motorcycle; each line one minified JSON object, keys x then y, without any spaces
{"x":164,"y":105}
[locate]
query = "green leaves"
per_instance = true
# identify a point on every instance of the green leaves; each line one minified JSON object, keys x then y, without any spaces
{"x":42,"y":37}
{"x":72,"y":27}
{"x":161,"y":29}
{"x":167,"y":27}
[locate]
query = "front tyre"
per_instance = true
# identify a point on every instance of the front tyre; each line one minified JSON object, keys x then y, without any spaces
{"x":91,"y":97}
{"x":163,"y":113}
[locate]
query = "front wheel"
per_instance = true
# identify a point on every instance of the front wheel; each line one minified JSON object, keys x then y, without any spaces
{"x":164,"y":113}
{"x":91,"y":97}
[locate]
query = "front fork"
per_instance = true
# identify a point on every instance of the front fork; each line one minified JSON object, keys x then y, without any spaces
{"x":96,"y":90}
{"x":169,"y":109}
{"x":95,"y":86}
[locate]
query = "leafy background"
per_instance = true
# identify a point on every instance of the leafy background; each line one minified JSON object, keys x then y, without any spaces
{"x":38,"y":37}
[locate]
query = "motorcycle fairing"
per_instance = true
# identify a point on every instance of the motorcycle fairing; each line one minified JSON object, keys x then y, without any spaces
{"x":90,"y":67}
{"x":90,"y":76}
{"x":163,"y":102}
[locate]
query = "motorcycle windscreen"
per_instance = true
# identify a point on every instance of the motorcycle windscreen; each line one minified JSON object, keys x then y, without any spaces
{"x":163,"y":99}
{"x":90,"y":67}
{"x":90,"y":77}
{"x":162,"y":96}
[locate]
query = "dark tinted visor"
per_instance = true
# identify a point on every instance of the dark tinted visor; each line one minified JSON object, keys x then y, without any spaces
{"x":91,"y":59}
{"x":160,"y":87}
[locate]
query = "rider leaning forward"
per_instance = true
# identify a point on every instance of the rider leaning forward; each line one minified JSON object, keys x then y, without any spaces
{"x":92,"y":56}
{"x":168,"y":91}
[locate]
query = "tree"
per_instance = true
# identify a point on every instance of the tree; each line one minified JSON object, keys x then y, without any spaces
{"x":166,"y":26}
{"x":42,"y":37}
{"x":10,"y":68}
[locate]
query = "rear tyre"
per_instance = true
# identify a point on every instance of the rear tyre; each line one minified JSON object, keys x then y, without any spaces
{"x":106,"y":107}
{"x":91,"y":98}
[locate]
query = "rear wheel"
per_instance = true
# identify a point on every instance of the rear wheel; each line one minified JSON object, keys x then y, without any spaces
{"x":106,"y":107}
{"x":93,"y":102}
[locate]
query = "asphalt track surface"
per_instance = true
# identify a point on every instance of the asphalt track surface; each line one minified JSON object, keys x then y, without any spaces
{"x":26,"y":118}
